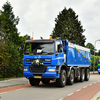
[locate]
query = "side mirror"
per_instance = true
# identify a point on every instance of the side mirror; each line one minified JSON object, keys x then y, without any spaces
{"x":59,"y":48}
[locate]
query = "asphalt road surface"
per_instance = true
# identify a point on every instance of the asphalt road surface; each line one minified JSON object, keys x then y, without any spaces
{"x":51,"y":91}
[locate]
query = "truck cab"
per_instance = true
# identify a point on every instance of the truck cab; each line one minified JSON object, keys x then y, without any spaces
{"x":42,"y":59}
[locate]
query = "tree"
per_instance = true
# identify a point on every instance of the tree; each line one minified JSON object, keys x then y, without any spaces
{"x":27,"y":37}
{"x":4,"y":56}
{"x":9,"y":42}
{"x":67,"y":26}
{"x":8,"y":22}
{"x":91,"y":47}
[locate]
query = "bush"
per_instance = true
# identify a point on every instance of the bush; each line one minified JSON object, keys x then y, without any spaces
{"x":92,"y":62}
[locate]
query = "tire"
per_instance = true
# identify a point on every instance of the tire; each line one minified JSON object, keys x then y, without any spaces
{"x":45,"y":81}
{"x":78,"y":76}
{"x":71,"y":78}
{"x":61,"y":82}
{"x":87,"y":74}
{"x":34,"y":82}
{"x":82,"y":78}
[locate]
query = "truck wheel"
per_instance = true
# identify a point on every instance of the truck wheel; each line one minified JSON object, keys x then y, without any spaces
{"x":34,"y":81}
{"x":78,"y":76}
{"x":87,"y":74}
{"x":63,"y":78}
{"x":45,"y":81}
{"x":82,"y":75}
{"x":71,"y":77}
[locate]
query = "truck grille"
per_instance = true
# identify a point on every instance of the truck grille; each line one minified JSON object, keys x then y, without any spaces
{"x":37,"y":69}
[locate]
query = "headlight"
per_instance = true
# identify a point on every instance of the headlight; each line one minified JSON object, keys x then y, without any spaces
{"x":28,"y":59}
{"x":48,"y":60}
{"x":25,"y":69}
{"x":51,"y":70}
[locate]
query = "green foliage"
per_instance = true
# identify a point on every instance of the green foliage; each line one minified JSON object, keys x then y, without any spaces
{"x":98,"y":98}
{"x":15,"y":59}
{"x":4,"y":55}
{"x":92,"y":63}
{"x":10,"y":42}
{"x":67,"y":26}
{"x":8,"y":23}
{"x":91,"y":47}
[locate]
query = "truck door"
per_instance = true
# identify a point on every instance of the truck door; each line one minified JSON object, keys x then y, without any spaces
{"x":65,"y":49}
{"x":59,"y":52}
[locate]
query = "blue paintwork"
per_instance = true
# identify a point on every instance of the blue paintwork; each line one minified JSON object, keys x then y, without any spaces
{"x":75,"y":58}
{"x":98,"y":69}
{"x":56,"y":60}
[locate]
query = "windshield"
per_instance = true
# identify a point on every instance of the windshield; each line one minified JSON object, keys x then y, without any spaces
{"x":39,"y":48}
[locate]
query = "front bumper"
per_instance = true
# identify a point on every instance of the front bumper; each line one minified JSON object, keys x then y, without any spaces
{"x":49,"y":73}
{"x":43,"y":75}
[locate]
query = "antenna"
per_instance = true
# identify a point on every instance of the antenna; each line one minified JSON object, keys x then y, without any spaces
{"x":32,"y":35}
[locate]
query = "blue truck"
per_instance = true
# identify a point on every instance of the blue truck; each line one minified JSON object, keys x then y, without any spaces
{"x":55,"y":59}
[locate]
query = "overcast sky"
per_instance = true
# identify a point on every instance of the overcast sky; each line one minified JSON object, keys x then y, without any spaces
{"x":38,"y":16}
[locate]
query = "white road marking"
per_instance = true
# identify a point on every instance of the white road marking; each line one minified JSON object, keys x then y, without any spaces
{"x":84,"y":86}
{"x":61,"y":99}
{"x":70,"y":94}
{"x":94,"y":82}
{"x":90,"y":84}
{"x":78,"y":90}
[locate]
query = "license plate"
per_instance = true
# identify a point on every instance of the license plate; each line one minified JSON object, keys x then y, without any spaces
{"x":37,"y":77}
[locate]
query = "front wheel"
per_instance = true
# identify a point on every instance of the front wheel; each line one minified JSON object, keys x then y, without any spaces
{"x":63,"y":79}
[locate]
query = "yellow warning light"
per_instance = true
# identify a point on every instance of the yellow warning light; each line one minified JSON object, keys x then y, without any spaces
{"x":31,"y":38}
{"x":50,"y":37}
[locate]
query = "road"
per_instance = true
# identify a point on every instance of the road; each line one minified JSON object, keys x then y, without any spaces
{"x":50,"y":91}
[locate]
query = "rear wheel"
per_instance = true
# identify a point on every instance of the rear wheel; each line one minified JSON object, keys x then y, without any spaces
{"x":71,"y":77}
{"x":82,"y":78}
{"x":63,"y":78}
{"x":34,"y":81}
{"x":87,"y":74}
{"x":78,"y":76}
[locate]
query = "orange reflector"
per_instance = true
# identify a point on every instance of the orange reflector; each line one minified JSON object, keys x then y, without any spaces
{"x":50,"y":37}
{"x":31,"y":38}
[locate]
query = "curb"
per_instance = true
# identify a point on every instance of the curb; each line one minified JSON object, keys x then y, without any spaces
{"x":96,"y":96}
